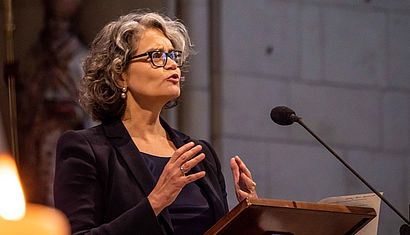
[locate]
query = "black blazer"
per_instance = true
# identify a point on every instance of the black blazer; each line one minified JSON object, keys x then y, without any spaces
{"x":102,"y":183}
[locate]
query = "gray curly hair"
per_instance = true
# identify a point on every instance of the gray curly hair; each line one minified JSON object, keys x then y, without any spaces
{"x":100,"y":93}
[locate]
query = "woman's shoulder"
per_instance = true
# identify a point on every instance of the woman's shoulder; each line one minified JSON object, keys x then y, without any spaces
{"x":87,"y":144}
{"x":88,"y":133}
{"x":83,"y":139}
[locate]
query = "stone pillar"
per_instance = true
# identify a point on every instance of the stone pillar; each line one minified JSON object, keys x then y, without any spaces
{"x":194,"y":112}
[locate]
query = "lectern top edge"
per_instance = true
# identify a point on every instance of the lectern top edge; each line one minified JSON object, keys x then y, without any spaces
{"x":258,"y":216}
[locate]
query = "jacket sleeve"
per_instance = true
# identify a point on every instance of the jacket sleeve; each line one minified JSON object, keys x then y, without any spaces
{"x":79,"y":193}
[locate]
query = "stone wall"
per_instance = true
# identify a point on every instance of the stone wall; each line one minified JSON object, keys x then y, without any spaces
{"x":341,"y":65}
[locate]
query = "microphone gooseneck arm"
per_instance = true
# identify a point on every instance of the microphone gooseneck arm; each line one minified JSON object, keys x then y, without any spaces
{"x":299,"y":120}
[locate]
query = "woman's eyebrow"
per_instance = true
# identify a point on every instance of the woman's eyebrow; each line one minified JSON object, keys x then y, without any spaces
{"x":160,"y":48}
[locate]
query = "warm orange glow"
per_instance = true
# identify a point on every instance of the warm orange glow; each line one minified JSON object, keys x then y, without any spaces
{"x":12,"y":204}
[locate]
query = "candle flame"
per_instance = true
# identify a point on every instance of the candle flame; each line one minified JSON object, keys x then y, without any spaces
{"x":12,"y":203}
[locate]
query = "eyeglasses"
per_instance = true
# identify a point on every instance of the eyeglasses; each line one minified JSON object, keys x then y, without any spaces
{"x":160,"y":58}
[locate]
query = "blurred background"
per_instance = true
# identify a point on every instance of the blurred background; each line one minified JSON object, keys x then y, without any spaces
{"x":342,"y":65}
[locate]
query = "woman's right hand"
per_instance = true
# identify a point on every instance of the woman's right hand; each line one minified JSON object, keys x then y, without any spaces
{"x":173,"y":177}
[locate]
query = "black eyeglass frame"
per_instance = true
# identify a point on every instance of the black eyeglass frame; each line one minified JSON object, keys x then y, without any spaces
{"x":170,"y":54}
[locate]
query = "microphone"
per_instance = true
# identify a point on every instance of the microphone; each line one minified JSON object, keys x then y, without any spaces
{"x":285,"y":116}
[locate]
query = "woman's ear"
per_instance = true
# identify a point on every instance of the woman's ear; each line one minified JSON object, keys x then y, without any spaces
{"x":122,"y":79}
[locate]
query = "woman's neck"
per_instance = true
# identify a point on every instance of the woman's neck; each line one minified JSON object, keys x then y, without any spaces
{"x":143,"y":122}
{"x":146,"y":131}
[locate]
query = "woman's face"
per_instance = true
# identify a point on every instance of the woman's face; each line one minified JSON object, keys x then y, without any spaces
{"x":148,"y":84}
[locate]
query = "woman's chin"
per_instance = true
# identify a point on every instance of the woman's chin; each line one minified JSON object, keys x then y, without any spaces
{"x":175,"y":96}
{"x":175,"y":92}
{"x":172,"y":96}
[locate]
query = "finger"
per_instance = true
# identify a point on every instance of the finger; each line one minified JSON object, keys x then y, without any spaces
{"x":193,"y":177}
{"x":188,"y":165}
{"x":242,"y":167}
{"x":180,"y":151}
{"x":244,"y":193}
{"x":248,"y":183}
{"x":187,"y":155}
{"x":241,"y":194}
{"x":235,"y":170}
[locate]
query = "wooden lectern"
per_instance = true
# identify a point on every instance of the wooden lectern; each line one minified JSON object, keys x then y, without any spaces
{"x":268,"y":216}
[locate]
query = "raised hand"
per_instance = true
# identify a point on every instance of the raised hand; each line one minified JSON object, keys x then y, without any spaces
{"x":244,"y":185}
{"x":173,"y":177}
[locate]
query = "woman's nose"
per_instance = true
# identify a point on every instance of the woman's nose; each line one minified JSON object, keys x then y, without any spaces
{"x":171,"y":64}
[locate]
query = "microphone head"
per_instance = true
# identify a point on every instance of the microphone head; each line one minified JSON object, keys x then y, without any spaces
{"x":283,"y":115}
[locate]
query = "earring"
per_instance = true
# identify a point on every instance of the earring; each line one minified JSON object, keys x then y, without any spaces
{"x":123,"y":93}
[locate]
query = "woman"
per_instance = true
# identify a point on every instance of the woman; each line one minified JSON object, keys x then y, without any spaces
{"x":133,"y":174}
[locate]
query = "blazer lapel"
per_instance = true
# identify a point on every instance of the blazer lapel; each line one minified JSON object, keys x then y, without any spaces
{"x":129,"y":153}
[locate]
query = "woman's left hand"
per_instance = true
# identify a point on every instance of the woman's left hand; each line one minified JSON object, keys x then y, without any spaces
{"x":245,"y":187}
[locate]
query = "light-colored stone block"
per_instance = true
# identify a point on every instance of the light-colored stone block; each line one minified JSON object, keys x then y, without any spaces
{"x":281,"y":32}
{"x":304,"y":173}
{"x":387,"y":173}
{"x":312,"y":43}
{"x":391,"y":5}
{"x":375,"y":5}
{"x":354,"y":46}
{"x":338,"y":115}
{"x":237,"y":35}
{"x":399,"y":51}
{"x":247,"y":103}
{"x":256,"y":157}
{"x":195,"y":118}
{"x":260,"y":36}
{"x":396,"y":121}
{"x":286,"y":171}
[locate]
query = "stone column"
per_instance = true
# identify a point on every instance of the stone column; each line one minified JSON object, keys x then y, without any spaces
{"x":194,"y":113}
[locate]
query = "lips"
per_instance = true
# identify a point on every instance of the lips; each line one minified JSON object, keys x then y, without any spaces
{"x":174,"y":78}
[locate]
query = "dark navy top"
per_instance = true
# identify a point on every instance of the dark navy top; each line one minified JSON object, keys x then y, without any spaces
{"x":190,"y":212}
